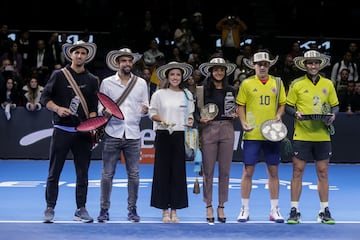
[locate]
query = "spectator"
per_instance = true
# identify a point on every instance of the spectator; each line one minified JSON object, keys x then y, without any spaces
{"x":5,"y":41}
{"x":183,"y":38}
{"x":288,"y":71}
{"x":42,"y":61}
{"x":355,"y":101}
{"x":345,"y":98}
{"x":231,"y":28}
{"x":32,"y":93}
{"x":341,"y":85}
{"x":198,"y":77}
{"x":246,"y":53}
{"x":295,"y":50}
{"x":7,"y":70}
{"x":54,"y":47}
{"x":153,"y":55}
{"x":146,"y":75}
{"x":9,"y":97}
{"x":190,"y":84}
{"x":15,"y":57}
{"x":346,"y":62}
{"x":24,"y":48}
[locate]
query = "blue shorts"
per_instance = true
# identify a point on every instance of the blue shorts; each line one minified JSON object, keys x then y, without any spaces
{"x":252,"y":150}
{"x":310,"y":151}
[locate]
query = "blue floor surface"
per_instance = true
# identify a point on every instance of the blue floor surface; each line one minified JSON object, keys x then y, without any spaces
{"x":23,"y":202}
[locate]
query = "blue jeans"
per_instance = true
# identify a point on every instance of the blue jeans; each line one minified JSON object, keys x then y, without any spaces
{"x":111,"y":155}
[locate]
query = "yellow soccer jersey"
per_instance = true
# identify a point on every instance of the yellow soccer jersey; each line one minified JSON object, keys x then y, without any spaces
{"x":309,"y":99}
{"x":260,"y":101}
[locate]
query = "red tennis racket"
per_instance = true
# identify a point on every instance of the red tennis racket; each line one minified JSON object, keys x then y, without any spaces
{"x":92,"y":124}
{"x":108,"y":103}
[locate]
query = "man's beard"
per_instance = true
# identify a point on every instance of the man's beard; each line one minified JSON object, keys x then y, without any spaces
{"x":126,"y":71}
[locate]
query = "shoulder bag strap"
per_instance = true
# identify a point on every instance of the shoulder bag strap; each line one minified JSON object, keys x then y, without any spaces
{"x":127,"y":91}
{"x":77,"y":90}
{"x":187,"y":106}
{"x":278,"y":86}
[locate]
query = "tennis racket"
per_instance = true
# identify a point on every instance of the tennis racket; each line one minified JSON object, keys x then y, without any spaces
{"x":108,"y":103}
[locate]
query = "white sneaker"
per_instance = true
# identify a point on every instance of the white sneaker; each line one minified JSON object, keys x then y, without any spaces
{"x":244,"y":215}
{"x":275,"y":215}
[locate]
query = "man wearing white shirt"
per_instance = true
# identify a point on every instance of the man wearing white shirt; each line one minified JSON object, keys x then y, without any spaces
{"x":122,"y":136}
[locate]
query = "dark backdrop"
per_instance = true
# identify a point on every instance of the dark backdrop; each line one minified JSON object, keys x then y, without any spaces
{"x":328,"y":18}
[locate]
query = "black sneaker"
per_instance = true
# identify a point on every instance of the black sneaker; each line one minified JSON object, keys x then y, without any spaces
{"x":294,"y":217}
{"x":325,"y":217}
{"x":49,"y":215}
{"x":82,"y":215}
{"x":103,"y":216}
{"x":132,"y":215}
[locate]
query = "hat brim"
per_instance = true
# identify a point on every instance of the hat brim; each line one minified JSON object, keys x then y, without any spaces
{"x":91,"y":48}
{"x":205,"y":68}
{"x":187,"y":70}
{"x":111,"y":58}
{"x":250,"y":64}
{"x":300,"y":61}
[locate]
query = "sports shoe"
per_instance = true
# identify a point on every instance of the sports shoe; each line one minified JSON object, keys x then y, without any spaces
{"x":275,"y":215}
{"x":244,"y":215}
{"x":49,"y":215}
{"x":103,"y":216}
{"x":294,"y":217}
{"x":325,"y":217}
{"x":82,"y":215}
{"x":132,"y":215}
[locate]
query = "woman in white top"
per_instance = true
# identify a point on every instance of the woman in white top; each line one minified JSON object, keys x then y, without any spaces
{"x":171,"y":109}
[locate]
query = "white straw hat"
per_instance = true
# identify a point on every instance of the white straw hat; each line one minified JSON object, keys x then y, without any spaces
{"x":186,"y":69}
{"x":260,"y":57}
{"x":112,"y":56}
{"x":68,"y":48}
{"x":311,"y":55}
{"x":206,"y":67}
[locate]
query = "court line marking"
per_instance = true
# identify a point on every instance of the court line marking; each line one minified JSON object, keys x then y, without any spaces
{"x":181,"y":222}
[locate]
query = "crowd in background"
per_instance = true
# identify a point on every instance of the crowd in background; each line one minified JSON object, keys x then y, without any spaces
{"x":28,"y":59}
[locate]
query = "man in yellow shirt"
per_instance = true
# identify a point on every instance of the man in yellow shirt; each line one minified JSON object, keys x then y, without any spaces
{"x":311,"y":140}
{"x":260,"y":98}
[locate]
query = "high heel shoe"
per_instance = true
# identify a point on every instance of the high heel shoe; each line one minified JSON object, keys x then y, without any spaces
{"x":210,"y":214}
{"x":221,"y":216}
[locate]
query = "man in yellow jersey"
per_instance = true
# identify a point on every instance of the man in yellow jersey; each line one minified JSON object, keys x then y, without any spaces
{"x":261,"y":97}
{"x":311,"y":140}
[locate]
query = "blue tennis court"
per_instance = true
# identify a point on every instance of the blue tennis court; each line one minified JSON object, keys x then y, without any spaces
{"x":22,"y":204}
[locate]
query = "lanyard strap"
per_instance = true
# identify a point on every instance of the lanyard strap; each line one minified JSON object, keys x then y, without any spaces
{"x":77,"y":90}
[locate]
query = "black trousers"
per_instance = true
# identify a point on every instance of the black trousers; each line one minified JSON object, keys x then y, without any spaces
{"x":62,"y":143}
